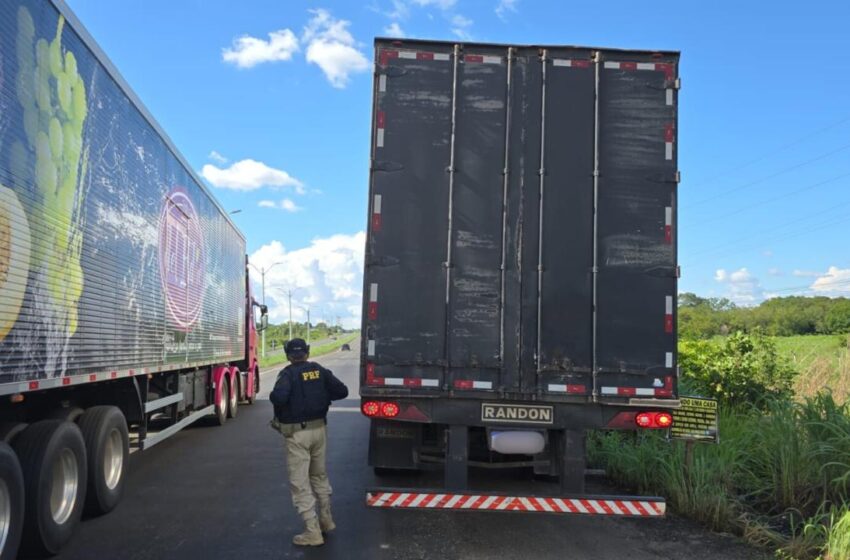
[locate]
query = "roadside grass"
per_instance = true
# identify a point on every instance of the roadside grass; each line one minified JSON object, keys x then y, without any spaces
{"x":780,"y":476}
{"x":822,"y":360}
{"x":315,"y":351}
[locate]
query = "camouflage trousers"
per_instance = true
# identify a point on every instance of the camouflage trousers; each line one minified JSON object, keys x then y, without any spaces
{"x":305,"y":461}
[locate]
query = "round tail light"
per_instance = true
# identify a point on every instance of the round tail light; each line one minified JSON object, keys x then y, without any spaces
{"x":644,"y":420}
{"x":389,"y":409}
{"x":371,"y":408}
{"x":663,"y":419}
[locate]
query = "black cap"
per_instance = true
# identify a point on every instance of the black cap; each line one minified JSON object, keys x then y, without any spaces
{"x":297,"y":348}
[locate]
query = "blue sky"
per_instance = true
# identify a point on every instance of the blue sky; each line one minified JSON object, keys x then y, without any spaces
{"x":278,"y":91}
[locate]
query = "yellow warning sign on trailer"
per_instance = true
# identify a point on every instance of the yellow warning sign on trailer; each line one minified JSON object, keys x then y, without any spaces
{"x":696,"y":419}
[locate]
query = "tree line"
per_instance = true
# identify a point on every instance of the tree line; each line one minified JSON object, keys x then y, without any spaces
{"x":701,"y":317}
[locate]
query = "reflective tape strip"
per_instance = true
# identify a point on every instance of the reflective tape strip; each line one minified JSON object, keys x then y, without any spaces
{"x":376,"y":213}
{"x":641,"y":392}
{"x":669,"y":138}
{"x":612,"y":65}
{"x":608,"y":390}
{"x":483,"y":59}
{"x":407,"y":54}
{"x":379,"y":140}
{"x":618,"y":507}
{"x":373,"y":292}
{"x":376,"y":206}
{"x":668,"y":305}
{"x":370,"y":347}
{"x":441,"y":56}
{"x":668,"y":314}
{"x":668,"y":360}
{"x":393,"y":381}
{"x":430,"y":382}
{"x":668,"y":224}
{"x":646,"y":66}
{"x":382,"y":83}
{"x":669,"y":96}
{"x":482,"y":384}
{"x":668,"y":150}
{"x":570,"y":63}
{"x":567,"y":388}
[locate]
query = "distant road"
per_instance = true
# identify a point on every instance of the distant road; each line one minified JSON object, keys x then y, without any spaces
{"x":192,"y":497}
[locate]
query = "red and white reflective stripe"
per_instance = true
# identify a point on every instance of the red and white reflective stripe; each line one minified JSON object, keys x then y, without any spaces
{"x":386,"y":55}
{"x":668,"y":224}
{"x":399,"y":381}
{"x":467,"y":384}
{"x":373,"y":301}
{"x":376,"y":213}
{"x":567,"y":388}
{"x":482,"y":59}
{"x":83,"y":378}
{"x":668,"y":314}
{"x":586,"y":506}
{"x":651,"y":66}
{"x":380,"y":121}
{"x":571,"y":62}
{"x":669,"y":136}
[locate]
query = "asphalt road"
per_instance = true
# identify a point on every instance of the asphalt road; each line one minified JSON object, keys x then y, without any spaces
{"x":220,"y":493}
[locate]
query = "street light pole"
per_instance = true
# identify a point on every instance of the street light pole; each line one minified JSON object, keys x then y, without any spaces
{"x":263,"y":272}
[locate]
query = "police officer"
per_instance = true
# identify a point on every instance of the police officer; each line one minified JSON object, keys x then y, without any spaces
{"x":301,"y":398}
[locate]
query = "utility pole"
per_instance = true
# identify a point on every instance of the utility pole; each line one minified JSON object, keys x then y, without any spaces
{"x":307,"y":309}
{"x":262,"y":272}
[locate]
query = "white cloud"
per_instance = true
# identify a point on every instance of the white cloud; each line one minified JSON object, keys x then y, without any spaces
{"x":249,"y":175}
{"x":248,"y":51}
{"x":285,"y":204}
{"x":394,"y":30}
{"x":767,"y":253}
{"x":327,"y":276}
{"x":460,"y":26}
{"x":504,"y":7}
{"x":332,"y":48}
{"x":806,"y":274}
{"x":742,"y":287}
{"x":835,"y":282}
{"x":775,"y":272}
{"x":217,"y":157}
{"x":442,"y":4}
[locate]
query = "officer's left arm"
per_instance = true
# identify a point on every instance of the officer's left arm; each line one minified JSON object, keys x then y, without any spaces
{"x":336,"y":388}
{"x":282,"y":389}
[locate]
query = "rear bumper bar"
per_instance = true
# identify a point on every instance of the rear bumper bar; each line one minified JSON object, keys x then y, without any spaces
{"x":618,"y":506}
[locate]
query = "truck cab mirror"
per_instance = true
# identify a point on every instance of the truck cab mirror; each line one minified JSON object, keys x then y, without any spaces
{"x":264,"y":321}
{"x":264,"y":309}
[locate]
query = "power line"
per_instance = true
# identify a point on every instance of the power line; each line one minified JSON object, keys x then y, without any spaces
{"x":809,"y":287}
{"x":771,"y":176}
{"x":773,"y":152}
{"x":832,"y":208}
{"x":744,"y":208}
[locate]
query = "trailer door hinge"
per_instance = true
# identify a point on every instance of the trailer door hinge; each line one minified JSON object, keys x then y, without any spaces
{"x":678,"y":176}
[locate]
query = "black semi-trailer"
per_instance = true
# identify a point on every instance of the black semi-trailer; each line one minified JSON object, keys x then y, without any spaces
{"x":521,"y":269}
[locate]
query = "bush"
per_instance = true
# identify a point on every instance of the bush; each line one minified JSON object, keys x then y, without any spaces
{"x":743,"y":369}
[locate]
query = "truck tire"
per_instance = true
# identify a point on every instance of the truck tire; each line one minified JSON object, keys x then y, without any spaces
{"x":53,"y":459}
{"x":233,"y":401}
{"x":70,"y":414}
{"x":250,"y":398}
{"x":11,"y":503}
{"x":107,"y":440}
{"x":221,"y":405}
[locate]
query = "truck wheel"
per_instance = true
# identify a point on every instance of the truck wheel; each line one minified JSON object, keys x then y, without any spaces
{"x":11,"y":503}
{"x":70,"y":414}
{"x":221,"y":405}
{"x":233,"y":402}
{"x":53,"y":459}
{"x":107,"y":440}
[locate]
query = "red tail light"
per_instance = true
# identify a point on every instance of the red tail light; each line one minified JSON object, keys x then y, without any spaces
{"x":371,"y":408}
{"x":644,"y":420}
{"x":664,"y":419}
{"x":654,"y":420}
{"x":389,"y":409}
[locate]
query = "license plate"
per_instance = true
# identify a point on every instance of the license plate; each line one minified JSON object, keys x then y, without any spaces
{"x":517,"y":414}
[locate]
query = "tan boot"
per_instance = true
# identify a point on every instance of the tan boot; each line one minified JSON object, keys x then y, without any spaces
{"x":326,"y":520}
{"x":312,"y":535}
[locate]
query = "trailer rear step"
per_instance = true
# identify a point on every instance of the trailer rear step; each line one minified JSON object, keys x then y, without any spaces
{"x":622,"y":506}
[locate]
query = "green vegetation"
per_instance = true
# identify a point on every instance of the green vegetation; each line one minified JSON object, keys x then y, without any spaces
{"x":788,"y":316}
{"x":780,"y":476}
{"x":315,"y":351}
{"x":277,"y":335}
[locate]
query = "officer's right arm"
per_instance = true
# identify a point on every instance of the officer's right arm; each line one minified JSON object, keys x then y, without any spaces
{"x":282,"y":389}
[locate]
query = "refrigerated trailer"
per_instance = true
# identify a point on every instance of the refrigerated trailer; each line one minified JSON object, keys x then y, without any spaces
{"x":521,"y":273}
{"x":125,"y":305}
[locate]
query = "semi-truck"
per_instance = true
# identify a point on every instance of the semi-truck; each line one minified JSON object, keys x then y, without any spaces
{"x":125,"y":305}
{"x":521,"y":266}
